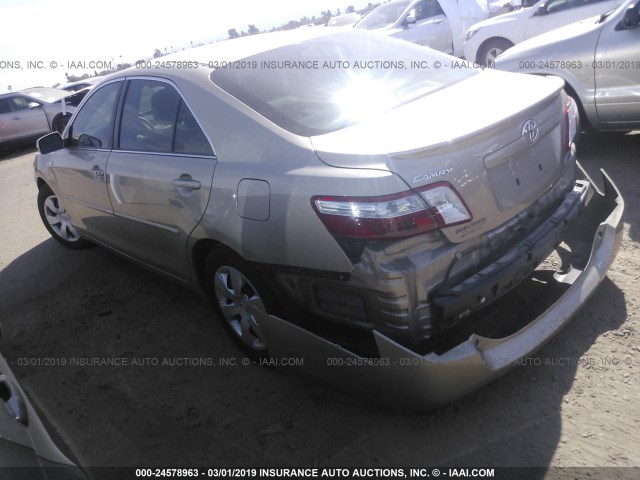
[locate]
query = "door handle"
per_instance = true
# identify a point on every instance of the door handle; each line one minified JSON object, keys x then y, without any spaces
{"x":185,"y":181}
{"x":98,"y":173}
{"x":437,"y":21}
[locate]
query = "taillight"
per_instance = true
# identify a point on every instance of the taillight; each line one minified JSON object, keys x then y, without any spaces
{"x":392,"y":216}
{"x":571,"y":122}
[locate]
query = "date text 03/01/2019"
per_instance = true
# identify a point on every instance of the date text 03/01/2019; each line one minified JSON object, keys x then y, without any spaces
{"x":372,"y":473}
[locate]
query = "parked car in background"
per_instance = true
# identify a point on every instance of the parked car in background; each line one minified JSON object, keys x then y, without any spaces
{"x":346,"y":20}
{"x":439,"y":24}
{"x":599,"y":61}
{"x":312,"y":201}
{"x":80,"y":84}
{"x":487,"y":39}
{"x":30,"y":113}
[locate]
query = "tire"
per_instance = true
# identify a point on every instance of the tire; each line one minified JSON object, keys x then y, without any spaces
{"x":60,"y":123}
{"x":57,"y":221}
{"x":232,"y":284}
{"x":491,"y":49}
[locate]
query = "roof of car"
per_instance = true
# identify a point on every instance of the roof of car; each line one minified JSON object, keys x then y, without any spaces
{"x":45,"y":94}
{"x":222,"y":54}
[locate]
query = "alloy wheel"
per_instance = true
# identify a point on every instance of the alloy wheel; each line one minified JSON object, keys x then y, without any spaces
{"x":235,"y":294}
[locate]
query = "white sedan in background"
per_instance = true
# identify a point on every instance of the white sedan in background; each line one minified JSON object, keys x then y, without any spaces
{"x":32,"y":112}
{"x":489,"y":38}
{"x":439,"y":24}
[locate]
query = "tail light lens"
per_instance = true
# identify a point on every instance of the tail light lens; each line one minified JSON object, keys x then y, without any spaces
{"x":571,"y":122}
{"x":392,"y":216}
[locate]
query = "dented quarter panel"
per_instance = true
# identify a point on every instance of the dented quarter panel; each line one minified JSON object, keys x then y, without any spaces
{"x":402,"y":378}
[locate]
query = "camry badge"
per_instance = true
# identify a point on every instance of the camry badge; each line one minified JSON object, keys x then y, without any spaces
{"x":530,"y":131}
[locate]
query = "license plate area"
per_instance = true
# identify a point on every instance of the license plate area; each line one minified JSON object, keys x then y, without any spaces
{"x":521,"y":172}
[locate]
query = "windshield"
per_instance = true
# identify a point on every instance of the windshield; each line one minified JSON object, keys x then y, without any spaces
{"x":383,"y":16}
{"x":326,"y":84}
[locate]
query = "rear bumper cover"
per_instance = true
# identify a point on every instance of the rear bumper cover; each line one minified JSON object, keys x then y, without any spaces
{"x":402,"y":378}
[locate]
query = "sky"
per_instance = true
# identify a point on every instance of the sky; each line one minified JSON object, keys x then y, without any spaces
{"x":49,"y":38}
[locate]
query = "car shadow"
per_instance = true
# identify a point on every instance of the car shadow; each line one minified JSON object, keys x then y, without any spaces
{"x":133,"y":370}
{"x":619,"y":155}
{"x":14,"y":151}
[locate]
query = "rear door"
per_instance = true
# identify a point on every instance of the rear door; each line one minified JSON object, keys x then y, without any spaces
{"x":159,"y":174}
{"x":617,"y":76}
{"x":432,"y":27}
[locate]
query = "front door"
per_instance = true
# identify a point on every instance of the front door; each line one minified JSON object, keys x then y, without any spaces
{"x":80,"y":168}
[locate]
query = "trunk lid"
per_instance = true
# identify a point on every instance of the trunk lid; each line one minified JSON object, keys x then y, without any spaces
{"x":496,"y":137}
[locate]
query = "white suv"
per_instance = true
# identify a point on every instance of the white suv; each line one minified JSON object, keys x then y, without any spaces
{"x":487,"y":39}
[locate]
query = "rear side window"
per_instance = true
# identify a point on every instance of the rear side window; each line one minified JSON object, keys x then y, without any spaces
{"x":190,"y":139}
{"x":4,"y":105}
{"x":156,"y":119}
{"x":149,"y":116}
{"x":93,"y":124}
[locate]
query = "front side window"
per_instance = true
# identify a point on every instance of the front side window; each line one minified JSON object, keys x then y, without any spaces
{"x":19,"y":103}
{"x":427,"y":9}
{"x":93,"y":125}
{"x":383,"y":16}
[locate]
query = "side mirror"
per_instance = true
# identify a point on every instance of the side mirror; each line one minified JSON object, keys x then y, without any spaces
{"x":50,"y":143}
{"x":85,"y":140}
{"x":631,"y":18}
{"x":541,"y":10}
{"x":529,"y":3}
{"x":409,"y":20}
{"x":33,"y":105}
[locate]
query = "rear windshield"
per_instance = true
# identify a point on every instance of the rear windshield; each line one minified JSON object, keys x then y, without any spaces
{"x":328,"y":83}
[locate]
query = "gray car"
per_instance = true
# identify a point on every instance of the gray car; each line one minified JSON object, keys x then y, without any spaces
{"x":599,"y":61}
{"x":375,"y":213}
{"x":30,"y":113}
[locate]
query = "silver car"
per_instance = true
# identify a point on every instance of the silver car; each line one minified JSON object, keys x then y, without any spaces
{"x":30,"y":113}
{"x":486,"y":40}
{"x":599,"y":61}
{"x":333,"y":207}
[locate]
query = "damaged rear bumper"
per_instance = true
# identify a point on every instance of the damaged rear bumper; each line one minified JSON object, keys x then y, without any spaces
{"x":403,"y":378}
